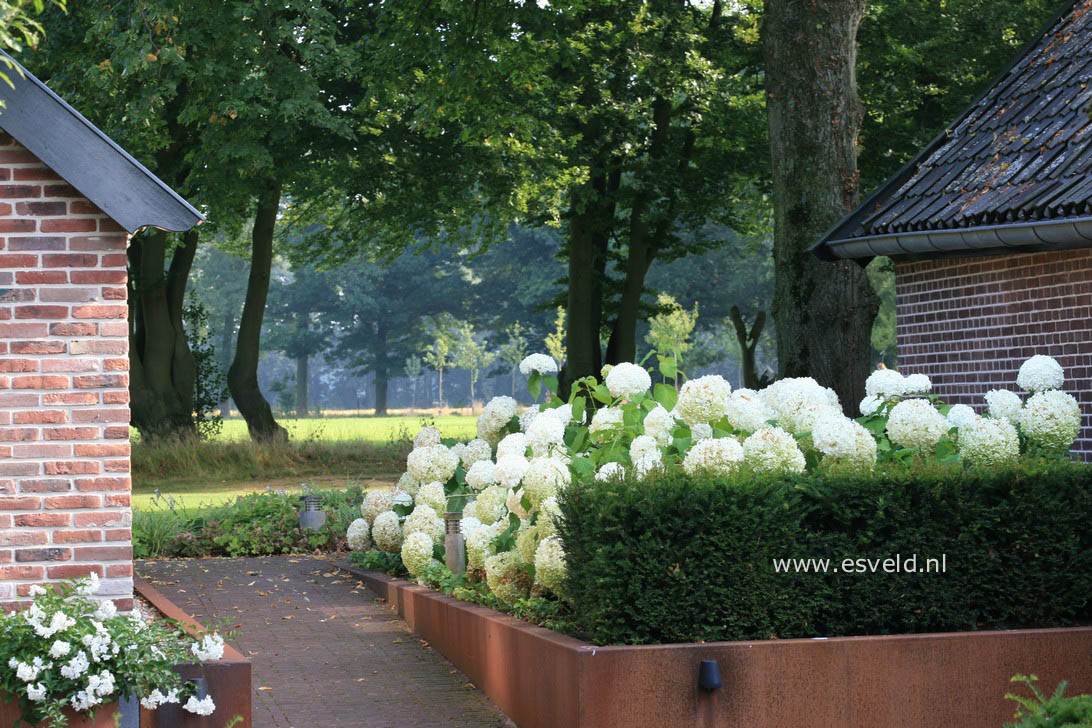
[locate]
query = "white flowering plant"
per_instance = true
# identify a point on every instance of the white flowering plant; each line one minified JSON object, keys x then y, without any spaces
{"x":69,"y":652}
{"x":507,"y":482}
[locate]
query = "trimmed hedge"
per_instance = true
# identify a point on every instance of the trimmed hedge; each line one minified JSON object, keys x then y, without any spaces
{"x":679,"y":559}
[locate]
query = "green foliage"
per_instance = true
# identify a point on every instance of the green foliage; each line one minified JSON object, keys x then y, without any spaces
{"x":1055,"y":711}
{"x":555,"y":340}
{"x":257,"y":524}
{"x":19,"y":28}
{"x":210,"y":388}
{"x":379,"y":561}
{"x":679,"y":559}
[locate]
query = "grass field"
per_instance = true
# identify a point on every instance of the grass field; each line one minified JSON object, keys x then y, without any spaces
{"x":377,"y":430}
{"x":326,"y":452}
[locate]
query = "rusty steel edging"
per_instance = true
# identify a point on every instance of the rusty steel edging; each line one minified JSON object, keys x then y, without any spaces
{"x":542,"y":679}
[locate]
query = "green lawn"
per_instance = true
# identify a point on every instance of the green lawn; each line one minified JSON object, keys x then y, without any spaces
{"x":325,"y":452}
{"x":378,"y":430}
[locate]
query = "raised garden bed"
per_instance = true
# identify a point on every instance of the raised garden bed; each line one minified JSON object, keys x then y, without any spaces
{"x":228,"y":681}
{"x":541,"y":678}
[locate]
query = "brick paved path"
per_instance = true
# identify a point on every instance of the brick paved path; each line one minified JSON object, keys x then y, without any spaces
{"x":326,"y":653}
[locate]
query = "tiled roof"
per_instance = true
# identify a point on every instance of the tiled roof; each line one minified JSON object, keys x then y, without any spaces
{"x":1020,"y":154}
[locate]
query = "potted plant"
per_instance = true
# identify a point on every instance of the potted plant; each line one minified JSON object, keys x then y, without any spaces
{"x":68,"y":659}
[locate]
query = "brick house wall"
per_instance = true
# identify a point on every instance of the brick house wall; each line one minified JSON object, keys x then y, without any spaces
{"x":64,"y":434}
{"x":970,"y":322}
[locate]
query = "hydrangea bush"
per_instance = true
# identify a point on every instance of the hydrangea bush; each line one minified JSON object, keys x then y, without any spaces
{"x":507,"y":481}
{"x":71,"y":651}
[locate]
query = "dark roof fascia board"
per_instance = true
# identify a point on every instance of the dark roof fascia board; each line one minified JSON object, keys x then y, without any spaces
{"x":848,"y":223}
{"x":1075,"y":232}
{"x":87,"y":159}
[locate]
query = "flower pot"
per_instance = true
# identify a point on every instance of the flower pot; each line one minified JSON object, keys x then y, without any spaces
{"x":104,"y":716}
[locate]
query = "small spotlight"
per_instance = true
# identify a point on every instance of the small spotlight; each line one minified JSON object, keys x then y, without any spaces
{"x":709,"y":675}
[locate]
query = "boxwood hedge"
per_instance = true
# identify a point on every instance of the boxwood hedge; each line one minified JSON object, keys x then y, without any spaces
{"x":680,"y":559}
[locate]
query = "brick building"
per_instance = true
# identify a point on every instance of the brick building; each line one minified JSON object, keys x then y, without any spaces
{"x":990,"y":230}
{"x":69,"y":199}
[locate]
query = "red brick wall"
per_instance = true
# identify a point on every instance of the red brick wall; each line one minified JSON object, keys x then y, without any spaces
{"x":970,"y":322}
{"x":64,"y":412}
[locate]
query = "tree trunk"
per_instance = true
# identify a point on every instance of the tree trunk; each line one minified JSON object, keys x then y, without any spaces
{"x":162,"y":368}
{"x":303,"y":408}
{"x":382,"y":374}
{"x":243,"y":375}
{"x":823,"y":311}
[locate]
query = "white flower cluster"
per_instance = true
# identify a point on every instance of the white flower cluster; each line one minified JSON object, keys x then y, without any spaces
{"x":916,"y":423}
{"x":417,"y":551}
{"x":432,"y":463}
{"x":211,"y":647}
{"x":703,"y":400}
{"x":541,"y":363}
{"x":495,"y":418}
{"x":845,"y":441}
{"x":988,"y":441}
{"x":387,"y":532}
{"x":772,"y":450}
{"x":1040,"y":374}
{"x":1051,"y":420}
{"x":627,"y":380}
{"x":358,"y":535}
{"x":721,"y":456}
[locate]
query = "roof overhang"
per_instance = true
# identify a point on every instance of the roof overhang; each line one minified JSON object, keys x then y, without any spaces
{"x":89,"y":160}
{"x":1075,"y":232}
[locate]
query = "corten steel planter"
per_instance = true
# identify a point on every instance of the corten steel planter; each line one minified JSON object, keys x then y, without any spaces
{"x":104,"y":716}
{"x":228,"y":678}
{"x":543,"y":679}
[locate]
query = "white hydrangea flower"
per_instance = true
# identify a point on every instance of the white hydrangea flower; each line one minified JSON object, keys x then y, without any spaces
{"x":375,"y":502}
{"x":703,"y":400}
{"x":644,"y":446}
{"x":427,"y":436}
{"x":658,"y":424}
{"x":772,"y":450}
{"x":701,"y":431}
{"x":76,"y":667}
{"x":844,"y":440}
{"x":916,"y":423}
{"x":885,"y":383}
{"x":610,"y":471}
{"x":648,"y":464}
{"x":479,"y":543}
{"x":400,"y":498}
{"x":358,"y":535}
{"x":564,"y":413}
{"x":203,"y":706}
{"x":546,"y":435}
{"x":490,"y":505}
{"x":36,"y":693}
{"x":468,"y":523}
{"x":432,"y":463}
{"x":545,"y":477}
{"x":59,"y":649}
{"x":627,"y":380}
{"x":918,"y":384}
{"x":433,"y":496}
{"x":988,"y":441}
{"x":527,"y":416}
{"x":459,"y":449}
{"x":513,"y":444}
{"x":527,"y":539}
{"x":606,"y":419}
{"x":960,"y":415}
{"x":746,"y":412}
{"x":1003,"y":404}
{"x":1040,"y":373}
{"x":503,"y":576}
{"x":509,"y":470}
{"x":476,"y":451}
{"x":417,"y":552}
{"x":549,"y":514}
{"x":26,"y":672}
{"x":541,"y":363}
{"x":481,"y":475}
{"x":550,"y":569}
{"x":407,"y":484}
{"x":870,"y":404}
{"x":495,"y":417}
{"x":716,"y":456}
{"x":387,"y":532}
{"x":1051,"y":419}
{"x":211,"y":647}
{"x":424,"y":519}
